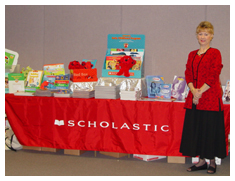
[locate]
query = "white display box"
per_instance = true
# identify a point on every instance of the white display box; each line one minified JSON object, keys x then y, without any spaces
{"x":196,"y":160}
{"x":148,"y":157}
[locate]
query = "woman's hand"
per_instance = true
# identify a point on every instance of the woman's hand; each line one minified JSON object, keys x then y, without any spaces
{"x":195,"y":100}
{"x":197,"y":93}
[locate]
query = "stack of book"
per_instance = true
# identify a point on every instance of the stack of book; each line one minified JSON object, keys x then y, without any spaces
{"x":107,"y":92}
{"x":43,"y":93}
{"x":130,"y":95}
{"x":83,"y":93}
{"x":61,"y":95}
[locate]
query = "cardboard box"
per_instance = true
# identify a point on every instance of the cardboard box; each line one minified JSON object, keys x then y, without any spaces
{"x":132,"y":42}
{"x":148,"y":157}
{"x":113,"y":154}
{"x":175,"y":159}
{"x":73,"y":152}
{"x":32,"y":148}
{"x":49,"y":149}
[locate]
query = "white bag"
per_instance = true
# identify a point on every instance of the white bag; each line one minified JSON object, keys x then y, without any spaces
{"x":11,"y":141}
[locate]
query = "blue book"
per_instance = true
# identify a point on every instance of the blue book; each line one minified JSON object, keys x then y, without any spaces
{"x":153,"y":85}
{"x":165,"y":91}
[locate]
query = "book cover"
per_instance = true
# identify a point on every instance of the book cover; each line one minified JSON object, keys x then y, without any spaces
{"x":62,"y":83}
{"x":51,"y":81}
{"x":54,"y":69}
{"x":112,"y":62}
{"x":165,"y":91}
{"x":153,"y":85}
{"x":33,"y":80}
{"x":226,"y":95}
{"x":16,"y":82}
{"x":179,"y":88}
{"x":138,"y":63}
{"x":11,"y":58}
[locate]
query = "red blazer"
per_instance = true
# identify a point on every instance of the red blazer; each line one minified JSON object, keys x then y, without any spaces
{"x":208,"y":71}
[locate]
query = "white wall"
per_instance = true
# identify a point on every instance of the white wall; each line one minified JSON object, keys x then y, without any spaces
{"x":60,"y":34}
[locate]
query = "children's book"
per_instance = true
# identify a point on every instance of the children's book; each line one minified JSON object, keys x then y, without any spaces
{"x":153,"y":85}
{"x":138,"y":63}
{"x":165,"y":91}
{"x":54,"y":69}
{"x":226,"y":95}
{"x":16,"y":82}
{"x":112,"y":62}
{"x":136,"y":53}
{"x":179,"y":88}
{"x":62,"y":83}
{"x":51,"y":81}
{"x":33,"y":80}
{"x":11,"y":59}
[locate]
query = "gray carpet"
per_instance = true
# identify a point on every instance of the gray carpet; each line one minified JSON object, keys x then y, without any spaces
{"x":38,"y":163}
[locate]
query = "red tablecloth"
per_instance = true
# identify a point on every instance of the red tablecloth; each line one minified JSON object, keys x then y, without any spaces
{"x":135,"y":127}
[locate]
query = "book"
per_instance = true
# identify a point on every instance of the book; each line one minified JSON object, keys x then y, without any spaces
{"x":165,"y":91}
{"x":61,"y":95}
{"x":16,"y":82}
{"x":153,"y":85}
{"x":54,"y":69}
{"x":62,"y":83}
{"x":133,"y":53}
{"x":226,"y":95}
{"x":130,"y":95}
{"x":112,"y":62}
{"x":51,"y":81}
{"x":138,"y":63}
{"x":33,"y":80}
{"x":179,"y":88}
{"x":11,"y":59}
{"x":21,"y":93}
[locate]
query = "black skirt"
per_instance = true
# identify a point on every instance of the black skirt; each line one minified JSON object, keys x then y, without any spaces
{"x":203,"y":134}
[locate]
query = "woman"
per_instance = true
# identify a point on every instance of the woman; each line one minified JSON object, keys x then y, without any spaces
{"x":203,"y":133}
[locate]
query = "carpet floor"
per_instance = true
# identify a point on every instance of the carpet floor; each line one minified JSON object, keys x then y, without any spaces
{"x":39,"y":163}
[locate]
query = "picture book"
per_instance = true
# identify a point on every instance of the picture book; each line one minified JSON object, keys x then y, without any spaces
{"x":11,"y":59}
{"x":165,"y":91}
{"x":51,"y":81}
{"x":226,"y":95}
{"x":16,"y":82}
{"x":179,"y":88}
{"x":62,"y":83}
{"x":133,"y":54}
{"x":33,"y":80}
{"x":112,"y":62}
{"x":153,"y":85}
{"x":93,"y":62}
{"x":54,"y":69}
{"x":138,"y":63}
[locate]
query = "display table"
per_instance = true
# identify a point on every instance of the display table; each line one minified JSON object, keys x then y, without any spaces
{"x":135,"y":127}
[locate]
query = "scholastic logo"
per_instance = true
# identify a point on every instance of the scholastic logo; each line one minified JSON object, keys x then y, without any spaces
{"x":59,"y":122}
{"x":113,"y":125}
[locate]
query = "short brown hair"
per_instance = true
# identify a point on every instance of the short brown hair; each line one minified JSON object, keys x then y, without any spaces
{"x":205,"y":25}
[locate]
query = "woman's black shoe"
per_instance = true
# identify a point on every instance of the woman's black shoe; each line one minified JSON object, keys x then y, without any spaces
{"x":195,"y":168}
{"x":211,"y":170}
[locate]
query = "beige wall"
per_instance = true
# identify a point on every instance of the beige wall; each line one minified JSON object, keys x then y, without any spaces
{"x":60,"y":34}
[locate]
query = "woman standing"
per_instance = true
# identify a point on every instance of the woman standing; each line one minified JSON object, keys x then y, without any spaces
{"x":203,"y":133}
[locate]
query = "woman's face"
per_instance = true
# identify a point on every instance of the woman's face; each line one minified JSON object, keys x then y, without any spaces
{"x":204,"y":38}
